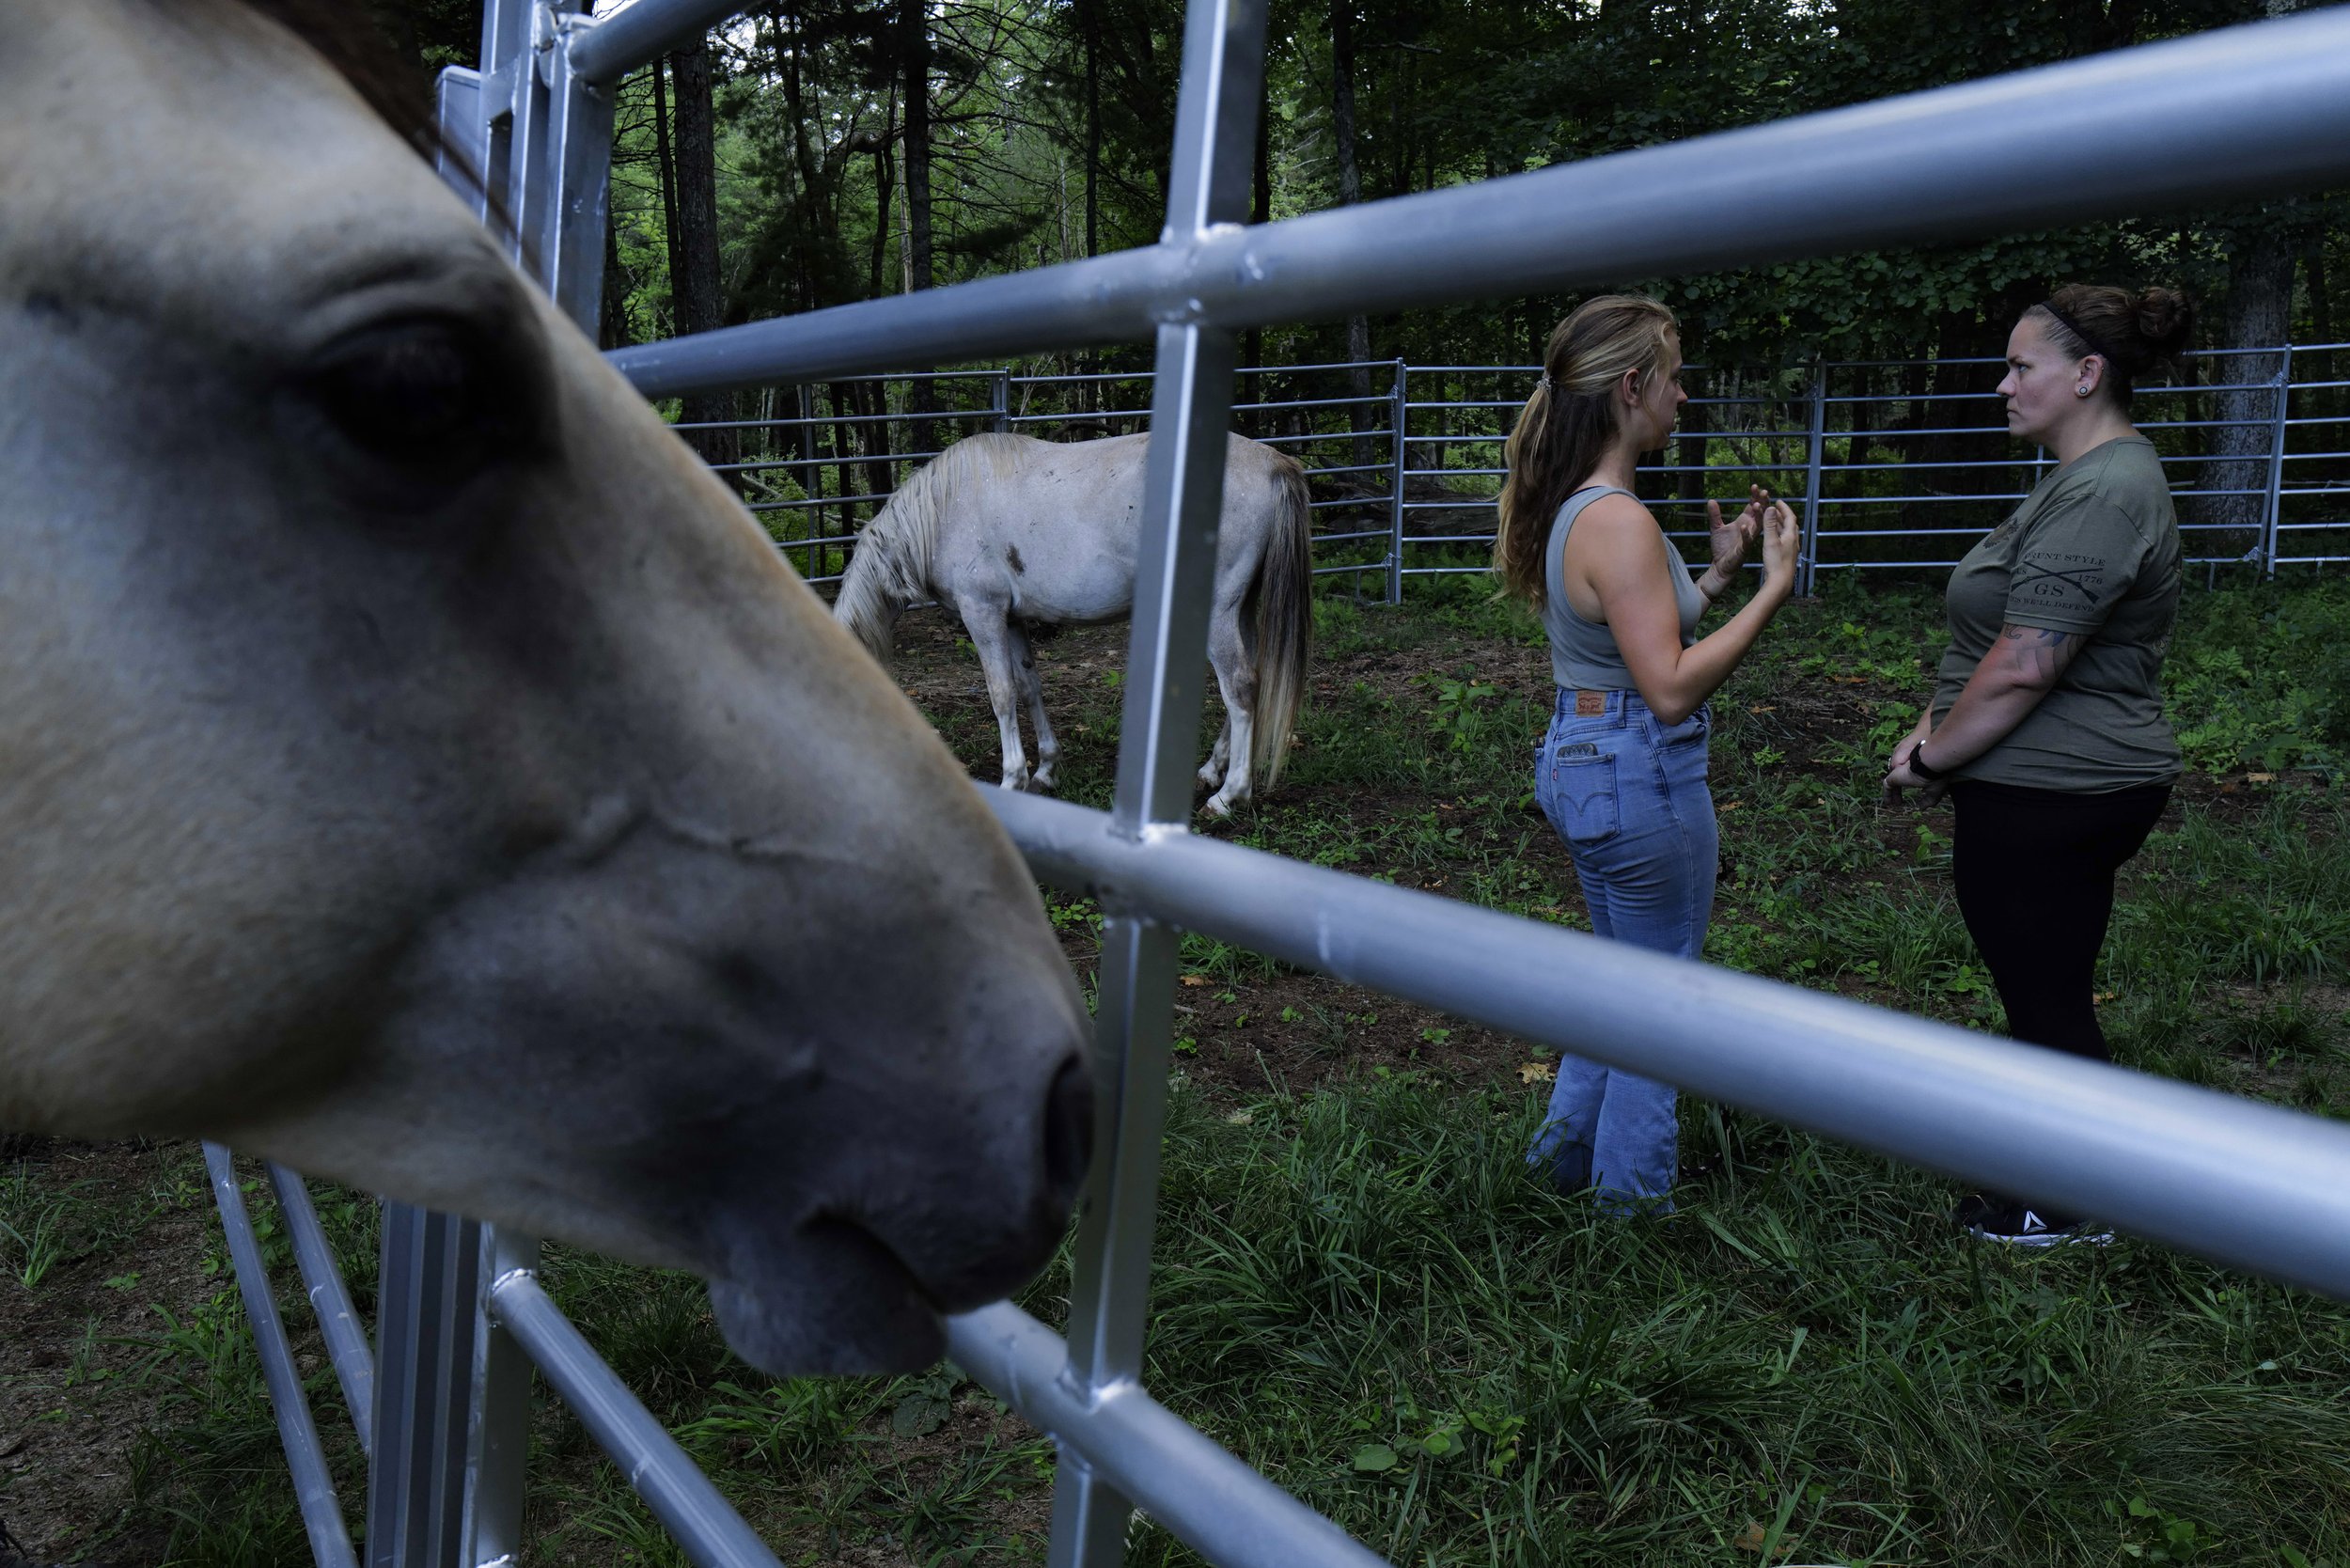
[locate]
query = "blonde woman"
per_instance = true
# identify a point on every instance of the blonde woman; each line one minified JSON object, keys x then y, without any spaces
{"x":1621,"y":771}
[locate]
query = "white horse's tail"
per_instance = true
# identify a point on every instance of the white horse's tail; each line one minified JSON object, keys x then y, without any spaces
{"x":891,"y":566}
{"x":1285,"y":619}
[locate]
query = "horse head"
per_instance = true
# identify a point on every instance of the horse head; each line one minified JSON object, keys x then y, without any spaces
{"x":415,"y":767}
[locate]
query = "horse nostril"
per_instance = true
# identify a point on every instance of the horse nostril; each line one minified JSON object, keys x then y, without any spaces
{"x":1068,"y":1128}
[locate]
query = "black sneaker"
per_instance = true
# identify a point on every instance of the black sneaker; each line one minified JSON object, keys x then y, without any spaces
{"x":2003,"y":1220}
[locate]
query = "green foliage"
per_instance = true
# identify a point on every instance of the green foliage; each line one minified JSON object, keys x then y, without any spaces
{"x":2264,"y":684}
{"x":811,"y":148}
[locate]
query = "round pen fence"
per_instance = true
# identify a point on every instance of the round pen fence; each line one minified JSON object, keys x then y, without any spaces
{"x":1896,"y":457}
{"x":1901,"y":463}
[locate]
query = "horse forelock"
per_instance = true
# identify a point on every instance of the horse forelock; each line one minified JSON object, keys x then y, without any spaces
{"x":350,"y":43}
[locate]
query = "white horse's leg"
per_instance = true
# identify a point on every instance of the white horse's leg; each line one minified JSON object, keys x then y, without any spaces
{"x":1235,"y":666}
{"x":991,"y":635}
{"x":1212,"y":770}
{"x":1032,"y":692}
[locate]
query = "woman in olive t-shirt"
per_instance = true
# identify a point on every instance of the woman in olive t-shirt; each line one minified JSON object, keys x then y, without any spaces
{"x":2046,"y":724}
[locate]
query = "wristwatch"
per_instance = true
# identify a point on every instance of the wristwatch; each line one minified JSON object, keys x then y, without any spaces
{"x":1917,"y":765}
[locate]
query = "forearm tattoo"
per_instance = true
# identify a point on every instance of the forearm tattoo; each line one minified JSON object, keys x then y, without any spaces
{"x":2040,"y":654}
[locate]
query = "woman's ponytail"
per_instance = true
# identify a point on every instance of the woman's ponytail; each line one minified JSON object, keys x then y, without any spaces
{"x":1567,"y":424}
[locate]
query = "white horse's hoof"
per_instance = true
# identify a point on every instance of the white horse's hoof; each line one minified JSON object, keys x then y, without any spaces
{"x":1013,"y":781}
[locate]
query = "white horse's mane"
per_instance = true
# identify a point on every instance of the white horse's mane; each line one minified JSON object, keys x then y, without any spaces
{"x":891,"y":568}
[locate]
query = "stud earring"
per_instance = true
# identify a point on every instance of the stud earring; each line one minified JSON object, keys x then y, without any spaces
{"x":2080,"y":391}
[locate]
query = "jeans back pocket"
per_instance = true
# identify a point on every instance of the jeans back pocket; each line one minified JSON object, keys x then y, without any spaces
{"x":1583,"y":794}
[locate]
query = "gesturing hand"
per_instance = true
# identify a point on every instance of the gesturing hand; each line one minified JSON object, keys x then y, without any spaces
{"x":1733,"y":538}
{"x":1782,"y":544}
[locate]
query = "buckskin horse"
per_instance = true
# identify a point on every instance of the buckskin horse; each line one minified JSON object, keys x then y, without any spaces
{"x":415,"y":767}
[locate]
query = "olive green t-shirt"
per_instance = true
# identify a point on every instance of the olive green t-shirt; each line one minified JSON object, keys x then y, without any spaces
{"x":2094,"y":549}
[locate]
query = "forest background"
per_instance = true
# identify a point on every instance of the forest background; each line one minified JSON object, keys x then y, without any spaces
{"x":822,"y":152}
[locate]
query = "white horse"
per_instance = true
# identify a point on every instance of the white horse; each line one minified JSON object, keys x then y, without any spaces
{"x":1011,"y":532}
{"x":415,"y":766}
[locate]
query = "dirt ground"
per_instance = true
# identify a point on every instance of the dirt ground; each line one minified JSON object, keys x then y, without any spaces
{"x":71,"y":1409}
{"x":1262,"y":1032}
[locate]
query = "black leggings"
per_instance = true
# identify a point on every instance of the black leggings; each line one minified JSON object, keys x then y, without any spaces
{"x":2034,"y":869}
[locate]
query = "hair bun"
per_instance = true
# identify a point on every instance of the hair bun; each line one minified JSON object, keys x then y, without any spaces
{"x":2166,"y":318}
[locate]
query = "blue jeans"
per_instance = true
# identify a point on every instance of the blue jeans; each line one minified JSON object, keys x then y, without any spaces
{"x":1628,"y":796}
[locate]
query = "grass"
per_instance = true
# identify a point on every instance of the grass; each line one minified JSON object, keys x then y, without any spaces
{"x":1359,"y":1289}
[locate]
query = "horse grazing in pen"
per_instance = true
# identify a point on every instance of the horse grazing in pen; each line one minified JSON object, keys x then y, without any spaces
{"x":416,"y":767}
{"x":1013,"y":533}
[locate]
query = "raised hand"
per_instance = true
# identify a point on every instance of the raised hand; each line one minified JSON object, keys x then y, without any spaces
{"x":1732,"y":540}
{"x":1782,"y":544}
{"x":1734,"y":537}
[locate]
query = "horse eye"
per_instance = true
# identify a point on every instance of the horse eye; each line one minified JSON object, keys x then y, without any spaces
{"x":423,"y":395}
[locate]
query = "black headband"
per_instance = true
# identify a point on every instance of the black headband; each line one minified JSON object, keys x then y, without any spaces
{"x":2075,"y":328}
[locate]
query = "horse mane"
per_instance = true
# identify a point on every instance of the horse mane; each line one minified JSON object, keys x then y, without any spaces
{"x":890,"y":567}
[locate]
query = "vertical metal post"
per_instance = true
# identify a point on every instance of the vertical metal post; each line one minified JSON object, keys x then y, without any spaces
{"x":452,"y":1398}
{"x":452,"y":1392}
{"x":578,"y":153}
{"x":463,"y":151}
{"x":1808,"y":563}
{"x":529,"y":164}
{"x":560,"y":179}
{"x":1002,"y":409}
{"x":1215,"y":120}
{"x":427,"y":1320}
{"x":477,"y":108}
{"x":1398,"y":415}
{"x":2272,"y":512}
{"x":497,"y":1438}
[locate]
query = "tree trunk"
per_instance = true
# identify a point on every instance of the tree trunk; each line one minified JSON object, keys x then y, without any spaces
{"x":1350,"y":192}
{"x":885,"y":186}
{"x":699,"y":307}
{"x":1090,"y":26}
{"x":2258,"y":316}
{"x":666,"y":163}
{"x":914,"y":45}
{"x":880,"y":477}
{"x":612,"y":330}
